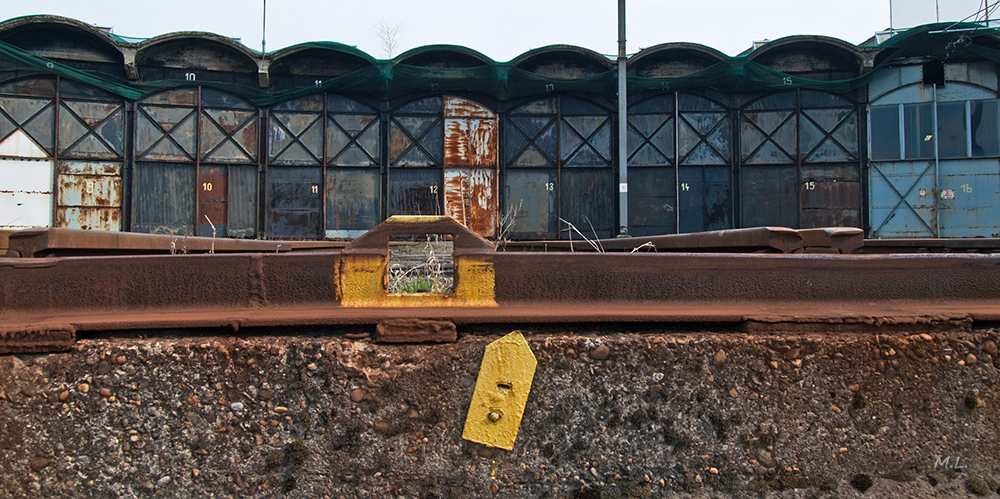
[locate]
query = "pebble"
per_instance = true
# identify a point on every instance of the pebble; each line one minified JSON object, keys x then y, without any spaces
{"x":600,"y":353}
{"x":793,"y":353}
{"x":192,"y":400}
{"x":195,"y":472}
{"x":570,"y":352}
{"x":267,"y":394}
{"x":970,"y":359}
{"x":719,"y":358}
{"x":733,"y":393}
{"x":990,"y":347}
{"x":105,"y":392}
{"x":163,"y":480}
{"x":357,"y":395}
{"x":64,"y":395}
{"x":657,"y":377}
{"x":280,"y":409}
{"x":312,"y":366}
{"x":714,"y":471}
{"x":236,"y":407}
{"x":104,"y":367}
{"x":764,"y":457}
{"x":83,"y":388}
{"x":39,"y":463}
{"x":926,"y":337}
{"x":35,"y":486}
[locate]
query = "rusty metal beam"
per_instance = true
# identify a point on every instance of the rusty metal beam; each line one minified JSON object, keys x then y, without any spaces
{"x":71,"y":242}
{"x":41,"y":296}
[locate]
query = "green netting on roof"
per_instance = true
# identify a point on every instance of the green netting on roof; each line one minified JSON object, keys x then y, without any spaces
{"x":387,"y":79}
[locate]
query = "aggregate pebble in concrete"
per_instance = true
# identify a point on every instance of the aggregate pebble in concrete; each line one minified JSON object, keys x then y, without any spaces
{"x":664,"y":414}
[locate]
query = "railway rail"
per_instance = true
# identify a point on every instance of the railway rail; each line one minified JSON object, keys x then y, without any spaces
{"x":48,"y":300}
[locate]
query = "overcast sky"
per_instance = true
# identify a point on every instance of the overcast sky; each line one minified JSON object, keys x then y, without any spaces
{"x":503,"y":30}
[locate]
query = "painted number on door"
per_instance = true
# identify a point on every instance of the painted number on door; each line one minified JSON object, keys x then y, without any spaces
{"x":207,"y":186}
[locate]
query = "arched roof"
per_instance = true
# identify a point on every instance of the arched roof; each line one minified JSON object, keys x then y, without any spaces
{"x":673,"y":60}
{"x":328,"y":59}
{"x":809,"y":54}
{"x":563,"y":62}
{"x":196,"y":50}
{"x":56,"y":37}
{"x":443,"y":56}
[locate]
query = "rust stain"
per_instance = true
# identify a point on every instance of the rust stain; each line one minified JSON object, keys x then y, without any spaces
{"x":458,"y":107}
{"x":90,"y":190}
{"x":470,"y":142}
{"x":248,"y":136}
{"x":89,"y":218}
{"x":471,"y":199}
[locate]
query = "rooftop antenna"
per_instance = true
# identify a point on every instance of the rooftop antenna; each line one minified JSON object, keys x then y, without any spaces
{"x":263,"y":30}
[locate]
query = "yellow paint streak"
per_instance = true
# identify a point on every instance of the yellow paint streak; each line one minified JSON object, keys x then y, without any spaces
{"x":362,"y":284}
{"x":502,"y":388}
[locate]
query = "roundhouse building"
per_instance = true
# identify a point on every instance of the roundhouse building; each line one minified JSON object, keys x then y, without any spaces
{"x":192,"y":133}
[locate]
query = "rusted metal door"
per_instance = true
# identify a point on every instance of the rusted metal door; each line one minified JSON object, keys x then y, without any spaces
{"x":197,"y":155}
{"x":471,"y":151}
{"x":353,"y":176}
{"x":212,"y":200}
{"x":89,"y":195}
{"x":295,"y":202}
{"x":416,"y":143}
{"x":27,"y":128}
{"x":334,"y":143}
{"x":166,"y":175}
{"x":91,"y":126}
{"x":652,"y":176}
{"x":295,"y":165}
{"x":568,"y":140}
{"x":801,"y":161}
{"x":228,"y":148}
{"x":705,"y":178}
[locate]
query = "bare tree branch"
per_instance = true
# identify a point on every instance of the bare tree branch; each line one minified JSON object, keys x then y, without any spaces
{"x":388,"y":34}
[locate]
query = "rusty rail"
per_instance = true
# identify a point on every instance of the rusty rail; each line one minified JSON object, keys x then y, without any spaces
{"x":44,"y":295}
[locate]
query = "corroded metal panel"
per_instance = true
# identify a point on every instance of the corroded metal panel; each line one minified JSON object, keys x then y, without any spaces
{"x":243,"y":188}
{"x":471,"y":198}
{"x":415,"y":191}
{"x":352,"y":201}
{"x":213,"y":195}
{"x":164,"y":198}
{"x":530,"y":197}
{"x":470,"y":142}
{"x":166,"y":133}
{"x":229,"y":136}
{"x":652,"y":201}
{"x":705,"y":198}
{"x":294,"y":202}
{"x":458,"y":107}
{"x":769,"y":196}
{"x":89,"y":195}
{"x":831,"y":196}
{"x":92,"y":130}
{"x":587,"y":199}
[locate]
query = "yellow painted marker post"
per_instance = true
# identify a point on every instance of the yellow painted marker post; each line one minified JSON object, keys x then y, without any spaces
{"x":501,"y":392}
